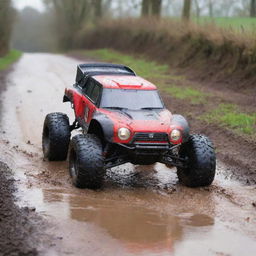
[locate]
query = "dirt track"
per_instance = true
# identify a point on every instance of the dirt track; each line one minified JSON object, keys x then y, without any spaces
{"x":140,"y":210}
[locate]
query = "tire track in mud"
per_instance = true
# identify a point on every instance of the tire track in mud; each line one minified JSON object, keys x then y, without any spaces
{"x":141,"y":209}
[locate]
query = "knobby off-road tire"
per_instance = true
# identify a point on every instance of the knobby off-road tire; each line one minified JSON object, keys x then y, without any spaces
{"x":86,"y":161}
{"x":56,"y":137}
{"x":200,"y":170}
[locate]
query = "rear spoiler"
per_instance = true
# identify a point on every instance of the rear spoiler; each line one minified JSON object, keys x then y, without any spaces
{"x":93,"y":69}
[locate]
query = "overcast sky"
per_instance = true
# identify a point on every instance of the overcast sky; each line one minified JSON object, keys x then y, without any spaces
{"x":20,"y":4}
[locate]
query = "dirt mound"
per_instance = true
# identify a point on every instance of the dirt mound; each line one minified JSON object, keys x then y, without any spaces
{"x":17,"y":225}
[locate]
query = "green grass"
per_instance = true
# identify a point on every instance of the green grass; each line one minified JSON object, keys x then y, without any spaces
{"x":229,"y":115}
{"x":143,"y":67}
{"x":9,"y":59}
{"x":186,"y":93}
{"x":153,"y":71}
{"x":236,"y":23}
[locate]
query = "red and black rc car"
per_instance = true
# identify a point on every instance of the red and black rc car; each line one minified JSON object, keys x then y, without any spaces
{"x":123,"y":119}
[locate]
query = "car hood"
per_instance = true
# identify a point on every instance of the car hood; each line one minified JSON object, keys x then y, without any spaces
{"x":155,"y":120}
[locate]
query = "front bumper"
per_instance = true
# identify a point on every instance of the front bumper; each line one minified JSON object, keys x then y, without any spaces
{"x":147,"y":146}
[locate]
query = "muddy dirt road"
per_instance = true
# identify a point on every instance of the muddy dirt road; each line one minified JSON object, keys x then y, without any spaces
{"x":141,"y":210}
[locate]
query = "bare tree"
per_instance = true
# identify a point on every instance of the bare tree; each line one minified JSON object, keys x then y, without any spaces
{"x":6,"y":20}
{"x":145,"y":8}
{"x":70,"y":17}
{"x":156,"y":7}
{"x":253,"y":8}
{"x":186,"y":10}
{"x":198,"y":9}
{"x":151,"y":8}
{"x":210,"y":4}
{"x":97,"y":5}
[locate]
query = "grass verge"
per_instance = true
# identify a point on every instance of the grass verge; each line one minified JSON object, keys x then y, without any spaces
{"x":151,"y":70}
{"x":228,"y":115}
{"x":187,"y":93}
{"x":9,"y":59}
{"x":144,"y":68}
{"x":239,"y":24}
{"x":206,"y":50}
{"x":225,"y":115}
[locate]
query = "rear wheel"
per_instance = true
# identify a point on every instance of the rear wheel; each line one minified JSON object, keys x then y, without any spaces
{"x":86,"y":161}
{"x":200,"y":170}
{"x":56,"y":136}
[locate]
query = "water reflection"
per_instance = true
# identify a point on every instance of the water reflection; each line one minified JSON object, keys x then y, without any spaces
{"x":137,"y":228}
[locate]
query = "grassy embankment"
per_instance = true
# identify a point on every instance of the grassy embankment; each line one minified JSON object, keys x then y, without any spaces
{"x":8,"y":59}
{"x":225,"y":115}
{"x":208,"y":52}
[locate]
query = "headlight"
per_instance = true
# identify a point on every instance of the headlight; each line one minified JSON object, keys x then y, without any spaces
{"x":124,"y":134}
{"x":175,"y":135}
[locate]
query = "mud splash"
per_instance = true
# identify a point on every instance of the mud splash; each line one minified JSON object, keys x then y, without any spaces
{"x":141,"y":210}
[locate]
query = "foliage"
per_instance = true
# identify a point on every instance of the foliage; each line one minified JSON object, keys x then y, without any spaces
{"x":9,"y":58}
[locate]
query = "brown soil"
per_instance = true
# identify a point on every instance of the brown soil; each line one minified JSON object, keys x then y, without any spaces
{"x":21,"y":228}
{"x":18,"y":231}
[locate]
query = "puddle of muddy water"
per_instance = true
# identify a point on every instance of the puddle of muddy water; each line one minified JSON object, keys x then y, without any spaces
{"x":141,"y":210}
{"x":136,"y":223}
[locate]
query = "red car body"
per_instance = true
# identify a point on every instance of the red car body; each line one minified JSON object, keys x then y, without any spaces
{"x":123,"y":119}
{"x":85,"y":109}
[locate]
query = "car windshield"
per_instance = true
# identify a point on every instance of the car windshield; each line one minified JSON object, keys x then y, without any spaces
{"x":130,"y":99}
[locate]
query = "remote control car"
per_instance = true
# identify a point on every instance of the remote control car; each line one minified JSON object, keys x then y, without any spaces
{"x":122,"y":118}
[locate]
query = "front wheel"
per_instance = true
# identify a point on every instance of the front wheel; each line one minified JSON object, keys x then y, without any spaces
{"x":201,"y":164}
{"x":86,"y":161}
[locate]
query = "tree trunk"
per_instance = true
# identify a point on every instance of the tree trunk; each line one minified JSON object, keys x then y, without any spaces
{"x":253,"y":8}
{"x":145,"y":8}
{"x":156,"y":7}
{"x":97,"y":8}
{"x":6,"y":20}
{"x":186,"y":10}
{"x":69,"y":19}
{"x":211,"y":8}
{"x":198,"y":10}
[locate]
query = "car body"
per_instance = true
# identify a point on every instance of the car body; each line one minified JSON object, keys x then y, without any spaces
{"x":124,"y":115}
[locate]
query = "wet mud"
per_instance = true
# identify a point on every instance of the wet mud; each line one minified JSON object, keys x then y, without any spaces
{"x":141,"y":210}
{"x":19,"y":232}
